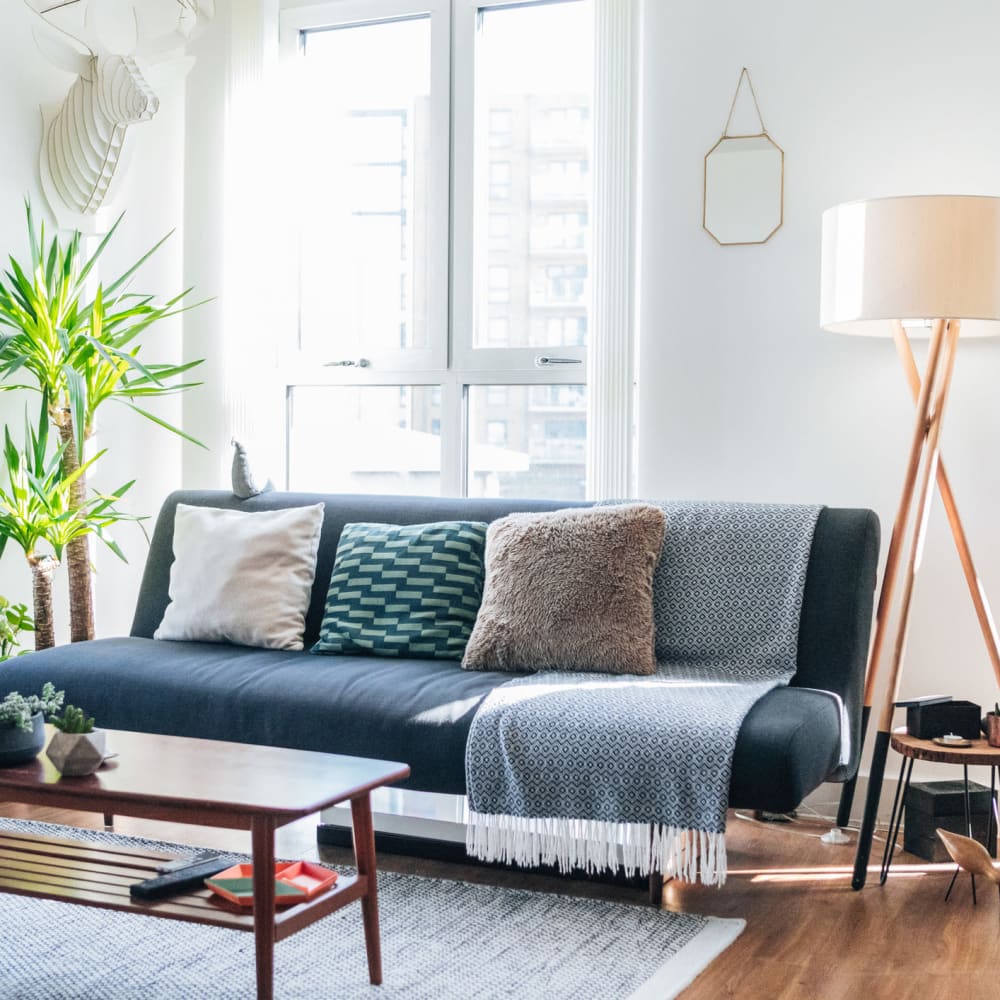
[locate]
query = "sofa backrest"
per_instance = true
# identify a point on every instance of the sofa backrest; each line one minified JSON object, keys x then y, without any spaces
{"x":836,"y":607}
{"x":340,"y":509}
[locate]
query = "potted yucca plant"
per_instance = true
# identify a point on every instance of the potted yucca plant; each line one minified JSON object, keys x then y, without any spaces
{"x":39,"y":512}
{"x":80,"y":347}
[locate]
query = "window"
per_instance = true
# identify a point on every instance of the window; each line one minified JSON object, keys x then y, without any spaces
{"x":496,"y":432}
{"x":499,"y":230}
{"x":500,"y":175}
{"x":444,"y":245}
{"x":501,"y":128}
{"x":498,"y":334}
{"x":558,"y":231}
{"x":542,"y":452}
{"x":499,"y":279}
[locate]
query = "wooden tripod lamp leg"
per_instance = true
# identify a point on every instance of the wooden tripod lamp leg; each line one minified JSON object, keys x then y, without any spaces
{"x":979,"y":599}
{"x":930,"y":409}
{"x":887,"y":591}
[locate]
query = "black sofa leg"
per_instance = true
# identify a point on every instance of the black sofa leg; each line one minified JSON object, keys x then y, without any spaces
{"x":879,"y":754}
{"x":655,"y":888}
{"x":847,"y":792}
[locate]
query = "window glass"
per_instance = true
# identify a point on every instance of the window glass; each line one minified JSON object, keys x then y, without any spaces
{"x":527,"y":441}
{"x":365,"y":439}
{"x":366,"y":163}
{"x":534,"y":69}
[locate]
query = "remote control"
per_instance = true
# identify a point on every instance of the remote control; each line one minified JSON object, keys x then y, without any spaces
{"x":177,"y":882}
{"x":182,"y":863}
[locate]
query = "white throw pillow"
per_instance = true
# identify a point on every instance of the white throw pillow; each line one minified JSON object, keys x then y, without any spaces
{"x":243,"y":578}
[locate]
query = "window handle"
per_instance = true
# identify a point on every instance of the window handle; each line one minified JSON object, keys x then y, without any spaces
{"x":543,"y":361}
{"x":348,"y":363}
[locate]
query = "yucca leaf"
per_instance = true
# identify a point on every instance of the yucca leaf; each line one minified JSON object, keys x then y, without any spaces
{"x":95,"y":256}
{"x":118,"y":282}
{"x":76,"y":390}
{"x":164,"y":424}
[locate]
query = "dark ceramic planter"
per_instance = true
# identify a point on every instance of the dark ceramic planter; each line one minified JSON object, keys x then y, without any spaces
{"x":992,"y":729}
{"x":18,"y":746}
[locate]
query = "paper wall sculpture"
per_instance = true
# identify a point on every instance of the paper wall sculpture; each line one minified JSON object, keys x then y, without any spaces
{"x":105,"y":44}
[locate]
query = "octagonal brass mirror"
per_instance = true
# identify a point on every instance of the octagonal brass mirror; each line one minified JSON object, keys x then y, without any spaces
{"x":744,"y":182}
{"x":744,"y":189}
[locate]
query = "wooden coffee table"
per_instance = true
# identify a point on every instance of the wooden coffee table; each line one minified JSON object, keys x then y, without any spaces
{"x":207,"y":783}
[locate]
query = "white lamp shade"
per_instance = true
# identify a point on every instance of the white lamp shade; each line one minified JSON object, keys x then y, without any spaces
{"x":913,"y":259}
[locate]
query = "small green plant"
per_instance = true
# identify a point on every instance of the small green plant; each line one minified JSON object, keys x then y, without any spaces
{"x":14,"y":619}
{"x":74,"y":720}
{"x":17,"y":710}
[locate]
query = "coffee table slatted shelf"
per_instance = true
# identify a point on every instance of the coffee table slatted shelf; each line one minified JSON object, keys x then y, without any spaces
{"x":209,"y":782}
{"x":78,"y":872}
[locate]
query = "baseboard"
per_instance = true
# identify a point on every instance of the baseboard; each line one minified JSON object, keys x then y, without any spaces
{"x":825,"y":799}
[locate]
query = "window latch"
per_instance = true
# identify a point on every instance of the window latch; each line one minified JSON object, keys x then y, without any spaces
{"x":543,"y":361}
{"x":348,"y":363}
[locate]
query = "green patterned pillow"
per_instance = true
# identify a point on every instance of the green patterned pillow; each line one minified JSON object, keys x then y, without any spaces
{"x":404,"y":590}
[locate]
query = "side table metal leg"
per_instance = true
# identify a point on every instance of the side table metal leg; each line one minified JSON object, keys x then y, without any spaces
{"x":896,"y":820}
{"x":262,"y":838}
{"x":364,"y":853}
{"x":992,"y":821}
{"x":967,"y":802}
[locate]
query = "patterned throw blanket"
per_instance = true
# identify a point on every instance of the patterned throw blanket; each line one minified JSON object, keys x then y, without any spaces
{"x":594,"y":771}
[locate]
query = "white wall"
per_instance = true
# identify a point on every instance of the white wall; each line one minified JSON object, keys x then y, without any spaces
{"x":742,"y":396}
{"x":153,"y":197}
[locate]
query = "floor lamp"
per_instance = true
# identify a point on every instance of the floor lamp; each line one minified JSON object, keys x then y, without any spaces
{"x":903,"y":267}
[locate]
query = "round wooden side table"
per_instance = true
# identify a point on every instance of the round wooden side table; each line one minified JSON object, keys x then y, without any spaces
{"x":912,"y":749}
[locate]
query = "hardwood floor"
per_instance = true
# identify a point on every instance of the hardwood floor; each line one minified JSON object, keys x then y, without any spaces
{"x":808,"y":935}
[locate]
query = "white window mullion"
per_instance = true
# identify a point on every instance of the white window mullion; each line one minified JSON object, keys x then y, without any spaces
{"x":611,"y":383}
{"x":453,"y":432}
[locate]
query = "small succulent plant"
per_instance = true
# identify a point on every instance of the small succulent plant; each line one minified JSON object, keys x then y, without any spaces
{"x":73,"y":720}
{"x":17,"y":710}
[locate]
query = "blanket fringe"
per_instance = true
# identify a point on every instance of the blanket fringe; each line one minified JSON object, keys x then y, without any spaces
{"x":641,"y":848}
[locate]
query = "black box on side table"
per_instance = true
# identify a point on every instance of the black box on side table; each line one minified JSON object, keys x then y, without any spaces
{"x":958,"y":717}
{"x":933,"y":804}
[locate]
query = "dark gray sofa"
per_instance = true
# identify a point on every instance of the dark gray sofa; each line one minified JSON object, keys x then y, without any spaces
{"x":419,"y":711}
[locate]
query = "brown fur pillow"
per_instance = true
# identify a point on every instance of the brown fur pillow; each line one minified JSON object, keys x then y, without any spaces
{"x":569,"y":590}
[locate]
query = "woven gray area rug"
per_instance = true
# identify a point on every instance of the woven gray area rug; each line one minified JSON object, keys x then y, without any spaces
{"x":441,"y":940}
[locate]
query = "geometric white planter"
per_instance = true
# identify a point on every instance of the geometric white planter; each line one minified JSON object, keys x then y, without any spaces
{"x":77,"y":753}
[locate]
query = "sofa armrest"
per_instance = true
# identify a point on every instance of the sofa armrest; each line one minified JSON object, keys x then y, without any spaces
{"x":837,"y":605}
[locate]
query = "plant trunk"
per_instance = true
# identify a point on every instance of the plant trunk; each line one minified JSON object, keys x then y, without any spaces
{"x":81,"y":594}
{"x":42,"y":570}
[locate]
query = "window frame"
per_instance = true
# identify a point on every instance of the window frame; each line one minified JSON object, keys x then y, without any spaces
{"x":465,"y":354}
{"x":294,"y":24}
{"x":451,"y":360}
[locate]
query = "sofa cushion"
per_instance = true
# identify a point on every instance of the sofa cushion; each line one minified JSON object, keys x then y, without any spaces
{"x":569,"y":590}
{"x":413,"y":710}
{"x":404,"y":590}
{"x":242,"y":578}
{"x":418,"y":711}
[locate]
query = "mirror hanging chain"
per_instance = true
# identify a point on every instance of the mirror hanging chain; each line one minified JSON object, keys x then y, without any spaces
{"x":744,"y":74}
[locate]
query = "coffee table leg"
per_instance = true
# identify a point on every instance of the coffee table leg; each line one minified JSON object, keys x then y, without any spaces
{"x":262,"y":833}
{"x":364,"y":853}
